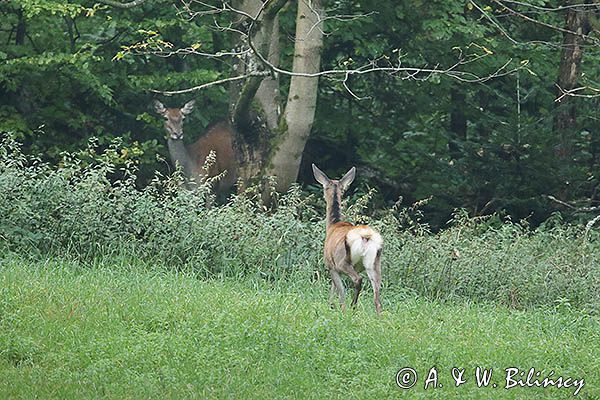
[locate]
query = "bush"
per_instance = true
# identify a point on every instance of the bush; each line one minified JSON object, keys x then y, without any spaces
{"x":89,"y":208}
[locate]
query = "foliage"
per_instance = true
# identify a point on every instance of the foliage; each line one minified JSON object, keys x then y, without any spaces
{"x":484,"y":147}
{"x":68,"y":73}
{"x":90,"y":208}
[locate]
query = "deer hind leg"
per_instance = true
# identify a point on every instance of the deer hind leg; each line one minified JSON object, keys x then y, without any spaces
{"x":373,"y":268}
{"x":337,"y":286}
{"x":348,"y":269}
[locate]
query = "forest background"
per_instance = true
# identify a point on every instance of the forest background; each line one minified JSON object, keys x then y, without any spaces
{"x":507,"y":118}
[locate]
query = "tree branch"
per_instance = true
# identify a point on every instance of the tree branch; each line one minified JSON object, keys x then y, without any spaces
{"x":544,"y":24}
{"x":118,"y":4}
{"x":209,"y":84}
{"x":548,"y":9}
{"x":254,"y":53}
{"x":575,"y":92}
{"x":572,"y":207}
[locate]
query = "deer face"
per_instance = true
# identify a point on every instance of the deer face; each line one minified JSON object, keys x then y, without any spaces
{"x":174,"y":118}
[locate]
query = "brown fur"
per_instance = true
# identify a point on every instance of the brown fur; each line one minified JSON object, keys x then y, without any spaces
{"x":219,"y":138}
{"x":348,"y":248}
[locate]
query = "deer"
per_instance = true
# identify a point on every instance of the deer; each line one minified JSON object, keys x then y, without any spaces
{"x":348,"y":249}
{"x":219,"y":138}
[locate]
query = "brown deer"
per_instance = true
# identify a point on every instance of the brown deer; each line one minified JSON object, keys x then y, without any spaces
{"x":348,"y":247}
{"x":220,"y":138}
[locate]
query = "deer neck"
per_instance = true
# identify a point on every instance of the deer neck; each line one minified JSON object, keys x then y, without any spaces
{"x":334,"y":212}
{"x":180,"y":155}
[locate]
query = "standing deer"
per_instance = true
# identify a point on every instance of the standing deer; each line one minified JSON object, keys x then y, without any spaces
{"x":219,"y":137}
{"x":348,"y":247}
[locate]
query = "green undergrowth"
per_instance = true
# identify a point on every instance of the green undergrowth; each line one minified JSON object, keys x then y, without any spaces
{"x":89,"y":208}
{"x":123,"y":330}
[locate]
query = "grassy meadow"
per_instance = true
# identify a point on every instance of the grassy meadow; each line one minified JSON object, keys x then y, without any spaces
{"x":137,"y":331}
{"x":111,"y":291}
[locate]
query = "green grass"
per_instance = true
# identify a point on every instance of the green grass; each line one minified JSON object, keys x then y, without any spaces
{"x":118,"y":331}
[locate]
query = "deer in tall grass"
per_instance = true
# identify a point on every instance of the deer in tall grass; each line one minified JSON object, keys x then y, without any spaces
{"x":348,"y":248}
{"x":191,"y":158}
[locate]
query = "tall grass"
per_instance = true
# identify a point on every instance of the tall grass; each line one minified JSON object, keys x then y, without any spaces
{"x":89,"y":207}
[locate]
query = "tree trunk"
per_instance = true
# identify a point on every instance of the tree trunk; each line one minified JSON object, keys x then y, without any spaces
{"x":569,"y":73}
{"x":273,"y":144}
{"x":301,"y":103}
{"x":565,"y":121}
{"x":265,"y":40}
{"x":21,"y":28}
{"x":253,"y":129}
{"x":268,"y":91}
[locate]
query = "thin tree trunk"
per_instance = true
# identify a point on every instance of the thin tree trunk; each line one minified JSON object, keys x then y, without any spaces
{"x":301,"y":103}
{"x":268,"y":91}
{"x":21,"y":28}
{"x":569,"y":72}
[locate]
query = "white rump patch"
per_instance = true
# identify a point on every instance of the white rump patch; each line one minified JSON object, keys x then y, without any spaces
{"x":364,"y":243}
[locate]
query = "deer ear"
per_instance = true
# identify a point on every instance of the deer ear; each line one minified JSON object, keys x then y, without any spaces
{"x":347,"y":180}
{"x":320,"y":176}
{"x":159,"y":107}
{"x":188,"y":107}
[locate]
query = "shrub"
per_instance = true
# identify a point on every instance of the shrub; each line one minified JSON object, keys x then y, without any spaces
{"x":89,"y":208}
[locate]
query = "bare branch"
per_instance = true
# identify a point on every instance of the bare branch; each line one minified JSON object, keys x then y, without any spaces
{"x":345,"y":83}
{"x":383,"y":64}
{"x":336,"y":17}
{"x":547,"y":25}
{"x":209,"y":84}
{"x":591,"y":223}
{"x":572,"y":207}
{"x":494,"y":22}
{"x":575,"y":92}
{"x":191,"y":50}
{"x":559,"y":8}
{"x":412,"y":72}
{"x":118,"y":4}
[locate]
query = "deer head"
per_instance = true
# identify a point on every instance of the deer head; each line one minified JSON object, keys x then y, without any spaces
{"x":333,"y":190}
{"x":174,"y":118}
{"x":331,"y":186}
